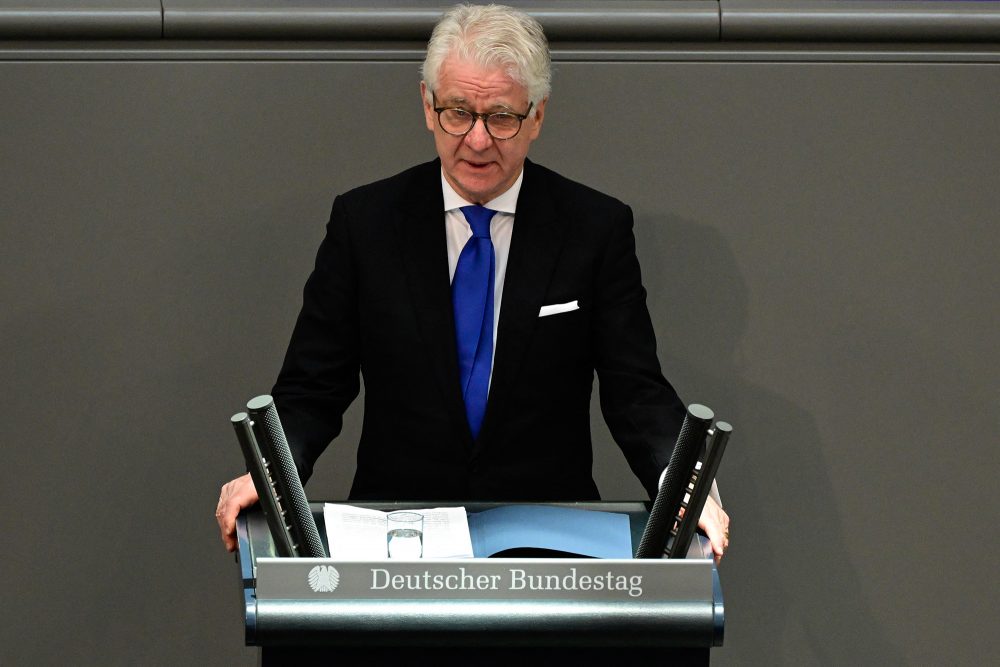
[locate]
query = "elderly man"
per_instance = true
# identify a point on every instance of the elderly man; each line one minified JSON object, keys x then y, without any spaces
{"x":477,"y":295}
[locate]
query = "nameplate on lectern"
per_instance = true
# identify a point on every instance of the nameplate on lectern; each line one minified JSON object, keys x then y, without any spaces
{"x":620,"y":581}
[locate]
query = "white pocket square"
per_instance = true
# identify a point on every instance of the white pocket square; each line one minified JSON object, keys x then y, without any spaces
{"x":557,"y":308}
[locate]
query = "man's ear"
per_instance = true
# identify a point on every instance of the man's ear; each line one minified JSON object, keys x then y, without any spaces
{"x":539,"y":112}
{"x":429,"y":116}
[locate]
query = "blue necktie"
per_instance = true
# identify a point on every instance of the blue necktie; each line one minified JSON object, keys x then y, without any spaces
{"x":472,"y":301}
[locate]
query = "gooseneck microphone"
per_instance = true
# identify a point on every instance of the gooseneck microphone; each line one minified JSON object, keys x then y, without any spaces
{"x":674,"y":481}
{"x":273,"y":446}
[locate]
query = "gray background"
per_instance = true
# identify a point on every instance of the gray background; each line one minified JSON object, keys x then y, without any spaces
{"x":817,"y":234}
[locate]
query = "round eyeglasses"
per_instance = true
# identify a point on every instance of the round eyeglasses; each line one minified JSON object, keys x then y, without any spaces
{"x":500,"y":125}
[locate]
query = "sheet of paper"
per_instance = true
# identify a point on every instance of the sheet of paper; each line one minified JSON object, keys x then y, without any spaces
{"x":585,"y":532}
{"x":356,"y":533}
{"x":446,"y":533}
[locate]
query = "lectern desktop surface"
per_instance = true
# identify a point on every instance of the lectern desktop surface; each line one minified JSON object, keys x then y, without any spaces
{"x":501,"y":602}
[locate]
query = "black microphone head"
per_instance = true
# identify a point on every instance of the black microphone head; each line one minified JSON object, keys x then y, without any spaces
{"x":260,"y":403}
{"x":702,"y":412}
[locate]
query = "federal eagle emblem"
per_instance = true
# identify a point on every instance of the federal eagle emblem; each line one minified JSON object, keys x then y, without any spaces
{"x":324,"y":578}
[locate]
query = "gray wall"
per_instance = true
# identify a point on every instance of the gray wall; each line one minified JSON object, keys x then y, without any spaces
{"x":817,"y":232}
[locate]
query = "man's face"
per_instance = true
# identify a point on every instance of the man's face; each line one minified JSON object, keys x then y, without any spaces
{"x":478,"y":166}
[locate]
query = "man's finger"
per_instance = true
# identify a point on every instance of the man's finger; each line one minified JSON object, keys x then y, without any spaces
{"x":227,"y":524}
{"x":715,"y":522}
{"x":233,"y":497}
{"x":717,"y":537}
{"x":229,"y":536}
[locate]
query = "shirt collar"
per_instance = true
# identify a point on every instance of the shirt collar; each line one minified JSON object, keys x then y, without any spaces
{"x":506,"y":202}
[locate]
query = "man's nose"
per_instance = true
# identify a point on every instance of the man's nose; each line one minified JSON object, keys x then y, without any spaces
{"x":478,"y":138}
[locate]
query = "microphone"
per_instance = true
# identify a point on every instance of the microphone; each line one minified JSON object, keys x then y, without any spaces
{"x":674,"y":480}
{"x":718,"y":436}
{"x":270,"y":437}
{"x":270,"y":503}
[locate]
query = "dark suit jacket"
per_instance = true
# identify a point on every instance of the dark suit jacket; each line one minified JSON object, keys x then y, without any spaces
{"x":379,"y":301}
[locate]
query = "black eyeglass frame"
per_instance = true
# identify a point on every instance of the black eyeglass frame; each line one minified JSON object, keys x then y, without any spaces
{"x":486,"y":120}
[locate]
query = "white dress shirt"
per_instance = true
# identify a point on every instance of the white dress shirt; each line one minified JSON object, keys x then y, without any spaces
{"x":501,"y":227}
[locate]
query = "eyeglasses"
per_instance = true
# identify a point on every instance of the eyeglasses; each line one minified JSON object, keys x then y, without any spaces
{"x":500,"y":125}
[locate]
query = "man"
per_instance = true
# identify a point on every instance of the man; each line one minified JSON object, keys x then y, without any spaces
{"x":477,"y":294}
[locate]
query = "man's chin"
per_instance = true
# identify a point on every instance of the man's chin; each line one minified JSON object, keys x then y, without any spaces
{"x":479,"y":189}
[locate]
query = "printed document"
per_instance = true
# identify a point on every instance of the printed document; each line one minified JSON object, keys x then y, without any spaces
{"x":357,"y":533}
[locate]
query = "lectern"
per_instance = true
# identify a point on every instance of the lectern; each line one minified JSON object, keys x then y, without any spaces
{"x":518,"y":611}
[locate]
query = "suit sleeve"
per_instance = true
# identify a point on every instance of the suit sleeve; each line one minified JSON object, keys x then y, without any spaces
{"x":320,"y":375}
{"x":642,"y":410}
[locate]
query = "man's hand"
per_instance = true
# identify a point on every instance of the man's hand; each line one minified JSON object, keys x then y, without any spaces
{"x":715,"y":522}
{"x":235,"y":496}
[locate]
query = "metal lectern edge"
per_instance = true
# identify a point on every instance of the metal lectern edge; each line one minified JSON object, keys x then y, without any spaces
{"x":244,"y":558}
{"x":483,"y":623}
{"x":718,"y":609}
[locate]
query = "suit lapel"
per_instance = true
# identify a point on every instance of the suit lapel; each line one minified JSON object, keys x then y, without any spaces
{"x":535,"y":244}
{"x":425,"y":263}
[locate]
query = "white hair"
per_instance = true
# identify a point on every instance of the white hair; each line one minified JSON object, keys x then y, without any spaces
{"x":492,"y":36}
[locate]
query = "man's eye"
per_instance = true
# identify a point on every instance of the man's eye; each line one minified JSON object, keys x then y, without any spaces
{"x":503,"y":120}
